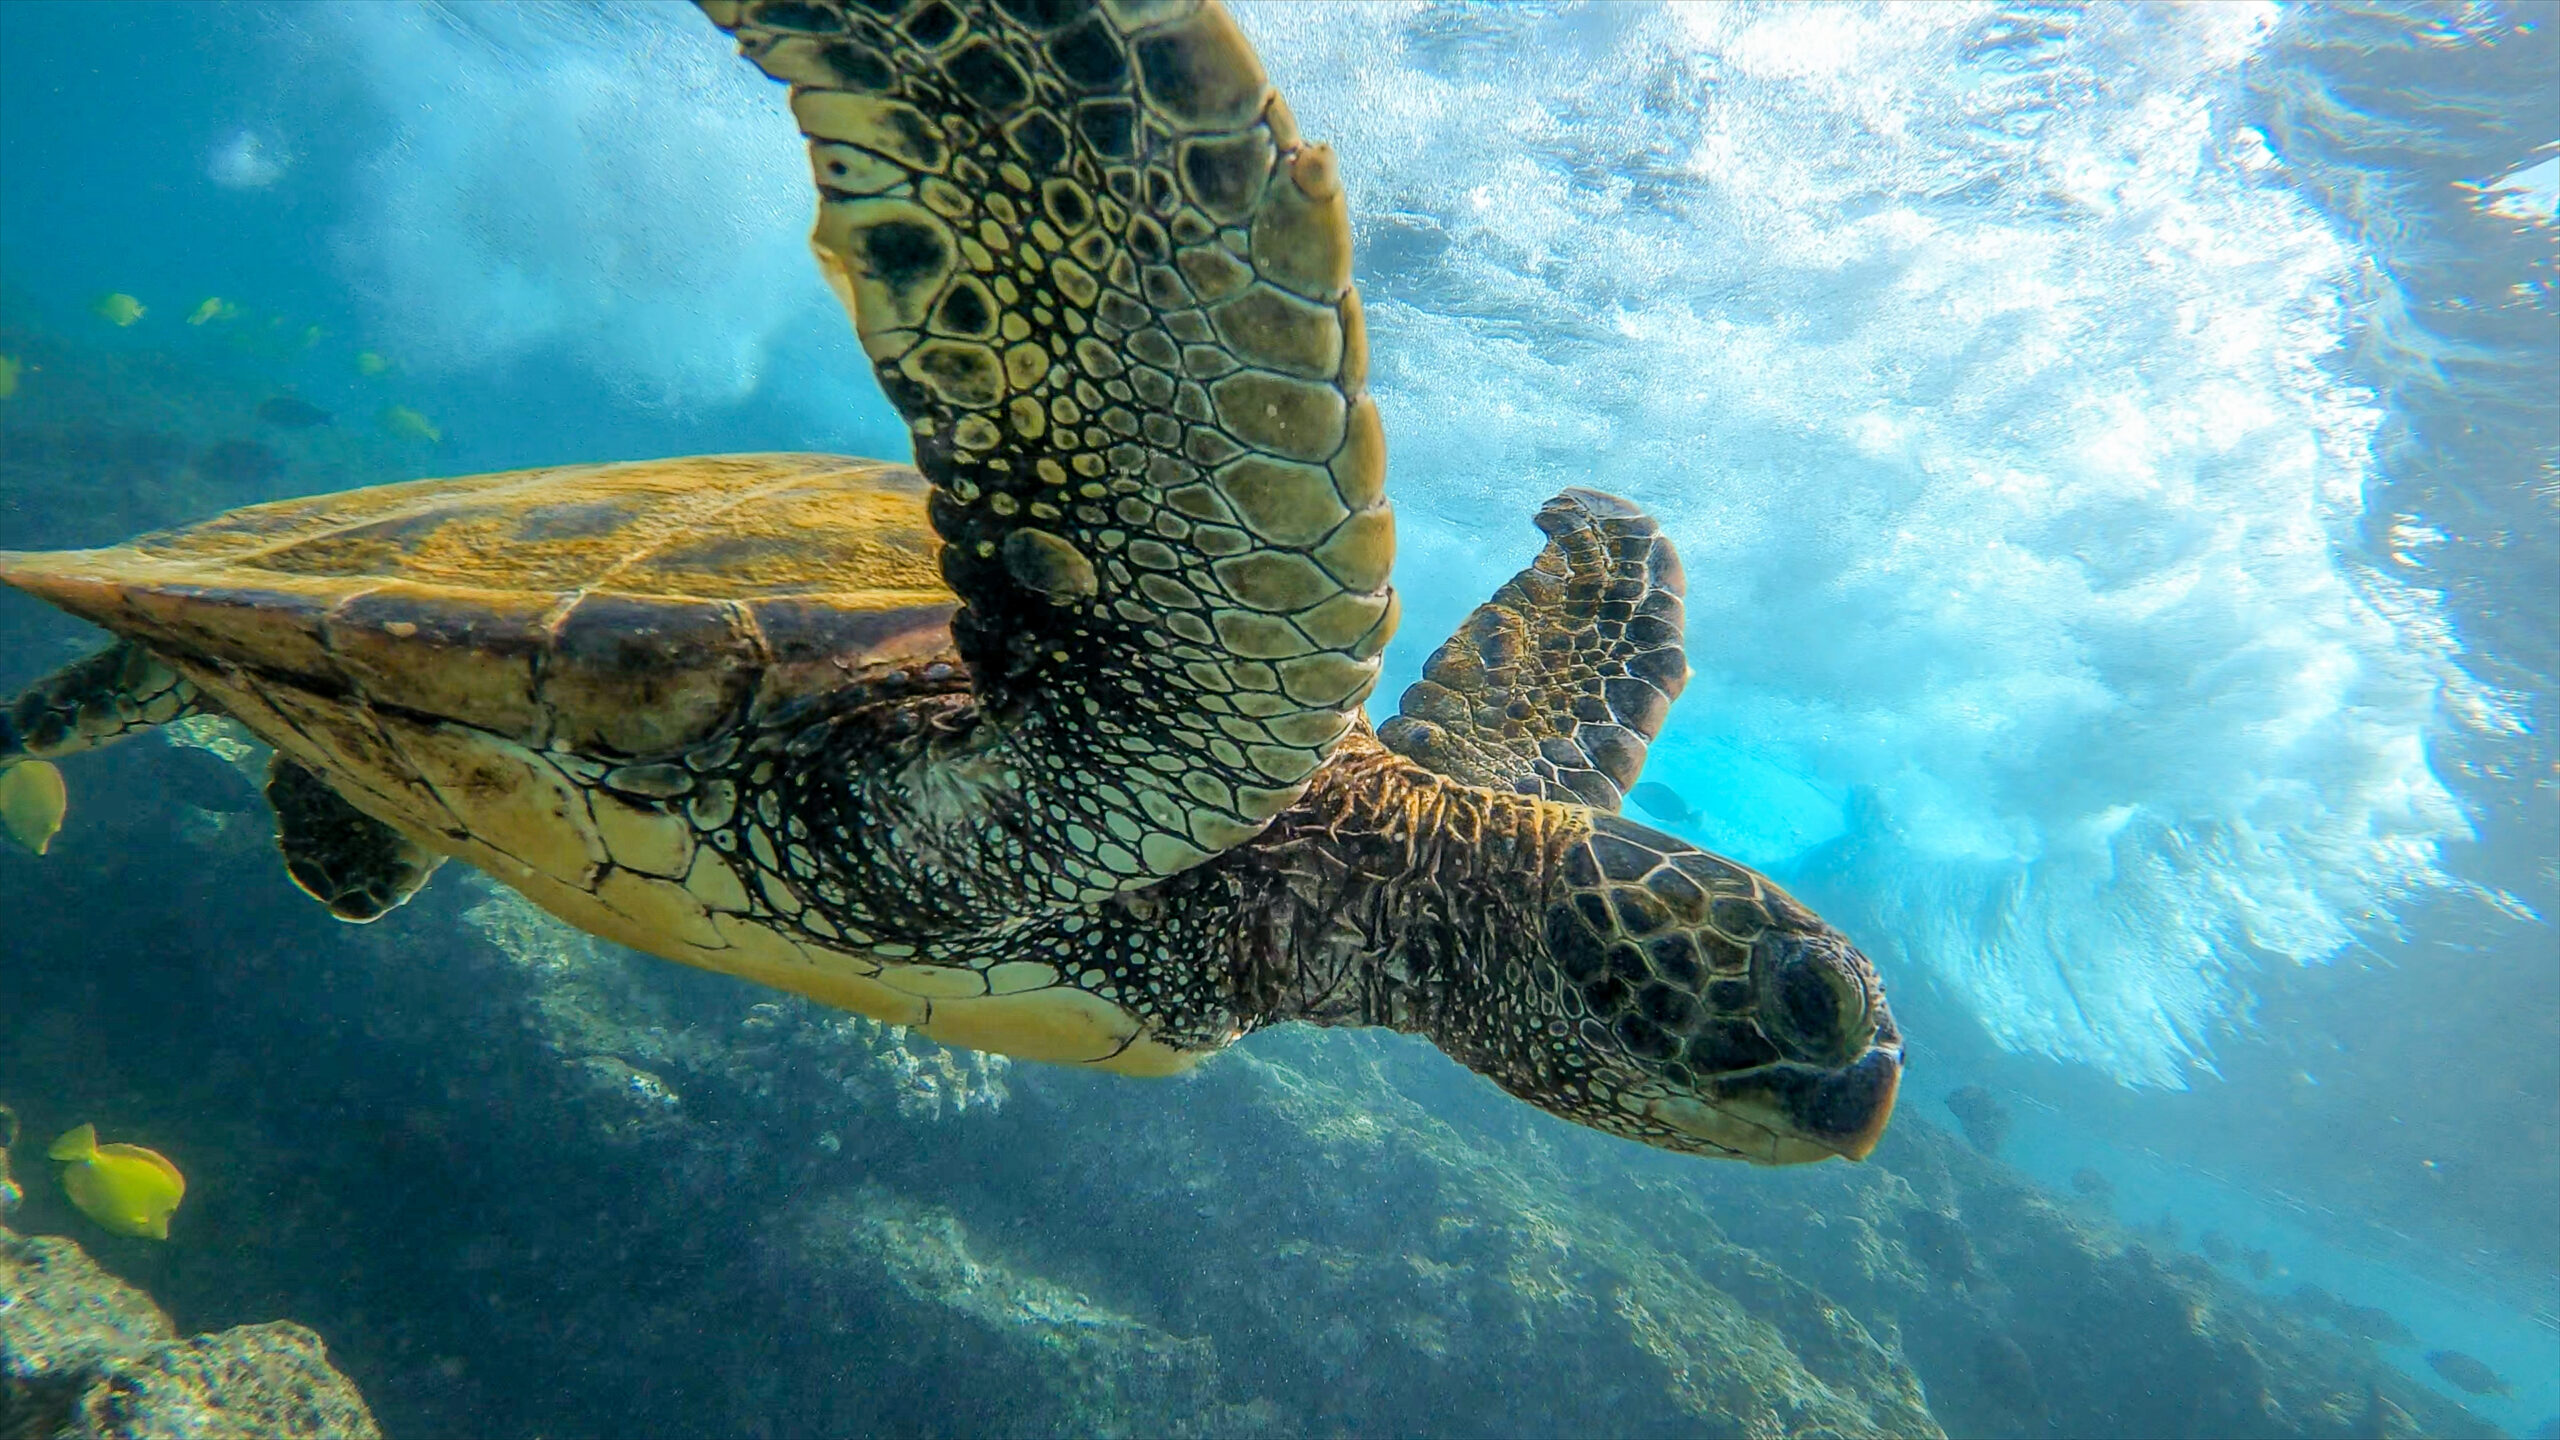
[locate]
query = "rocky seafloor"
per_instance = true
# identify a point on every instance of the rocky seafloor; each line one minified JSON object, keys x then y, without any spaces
{"x":526,"y":1185}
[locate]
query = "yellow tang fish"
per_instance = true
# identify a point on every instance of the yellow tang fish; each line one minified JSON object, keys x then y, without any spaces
{"x":214,"y":308}
{"x":371,"y":363}
{"x":402,"y":421}
{"x":11,"y":367}
{"x":119,"y":308}
{"x":125,"y":1188}
{"x":31,"y":803}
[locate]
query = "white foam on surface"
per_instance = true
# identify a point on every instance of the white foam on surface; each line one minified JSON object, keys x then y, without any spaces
{"x":1976,"y":369}
{"x":1974,"y":362}
{"x":606,"y":181}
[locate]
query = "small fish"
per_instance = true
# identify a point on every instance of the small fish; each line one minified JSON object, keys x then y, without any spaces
{"x":2368,"y":1322}
{"x":2468,"y":1373}
{"x":31,"y":803}
{"x":408,"y":424}
{"x":119,"y":308}
{"x":2092,"y":1184}
{"x":10,"y":1194}
{"x":214,"y":308}
{"x":10,"y":369}
{"x":2216,"y":1247}
{"x":370,"y":363}
{"x":311,"y":335}
{"x":1662,"y":802}
{"x":125,"y":1188}
{"x":291,"y":414}
{"x":2260,"y":1263}
{"x":1984,"y":1119}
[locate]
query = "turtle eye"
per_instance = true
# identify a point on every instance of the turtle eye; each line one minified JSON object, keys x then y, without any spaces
{"x":1816,"y":1005}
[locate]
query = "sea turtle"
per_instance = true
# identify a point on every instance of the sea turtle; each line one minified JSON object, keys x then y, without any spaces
{"x":1051,"y":744}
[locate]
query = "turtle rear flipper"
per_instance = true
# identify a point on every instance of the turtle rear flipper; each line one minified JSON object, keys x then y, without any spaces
{"x":1556,"y":685}
{"x":359,"y":867}
{"x":120,"y":691}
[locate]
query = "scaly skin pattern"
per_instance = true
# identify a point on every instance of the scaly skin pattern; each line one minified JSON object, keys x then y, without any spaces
{"x":1611,"y":974}
{"x":1108,"y":285}
{"x":94,"y":701}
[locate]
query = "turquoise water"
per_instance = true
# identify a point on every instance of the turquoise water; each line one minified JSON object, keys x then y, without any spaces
{"x":2113,"y":452}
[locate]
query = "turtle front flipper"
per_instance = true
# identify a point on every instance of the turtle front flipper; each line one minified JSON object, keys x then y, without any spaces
{"x":1109,"y":287}
{"x":1556,"y":685}
{"x":359,"y":867}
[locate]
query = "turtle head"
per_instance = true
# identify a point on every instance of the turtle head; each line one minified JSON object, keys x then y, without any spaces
{"x":1700,"y":1008}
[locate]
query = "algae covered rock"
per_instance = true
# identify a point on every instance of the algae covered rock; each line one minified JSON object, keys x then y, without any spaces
{"x":2025,"y":1317}
{"x":82,"y":1355}
{"x":912,"y":1302}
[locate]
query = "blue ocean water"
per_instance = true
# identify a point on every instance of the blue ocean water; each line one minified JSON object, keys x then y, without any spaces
{"x":2114,"y":452}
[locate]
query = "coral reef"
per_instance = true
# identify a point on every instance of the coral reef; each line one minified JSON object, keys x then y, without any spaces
{"x":597,"y":1005}
{"x":2026,"y":1318}
{"x":857,"y":1258}
{"x":84,"y":1356}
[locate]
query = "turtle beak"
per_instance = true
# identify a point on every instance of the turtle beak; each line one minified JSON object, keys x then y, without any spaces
{"x":1854,"y":1106}
{"x":1786,"y":1115}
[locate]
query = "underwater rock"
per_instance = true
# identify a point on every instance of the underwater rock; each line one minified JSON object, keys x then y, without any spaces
{"x":600,"y":1007}
{"x":1940,"y":1243}
{"x":2468,"y":1373}
{"x":84,"y":1356}
{"x":1984,"y":1118}
{"x":868,"y":1263}
{"x":2114,"y":1338}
